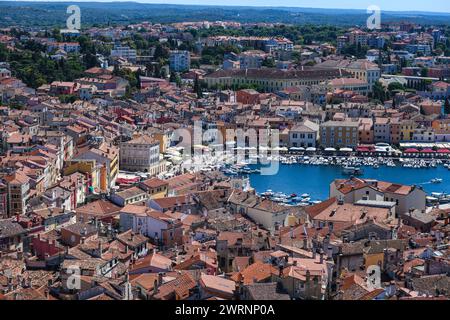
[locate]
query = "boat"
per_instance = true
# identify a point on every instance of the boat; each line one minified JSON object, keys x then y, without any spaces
{"x":436,"y":180}
{"x":376,"y":166}
{"x":293,"y":195}
{"x":352,"y":170}
{"x":305,"y":195}
{"x":280,"y":195}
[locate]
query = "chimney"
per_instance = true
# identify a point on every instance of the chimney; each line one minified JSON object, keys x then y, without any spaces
{"x":321,"y":256}
{"x":155,"y":287}
{"x":305,"y":243}
{"x":160,"y":278}
{"x":100,"y":248}
{"x":427,"y":266}
{"x":238,"y":290}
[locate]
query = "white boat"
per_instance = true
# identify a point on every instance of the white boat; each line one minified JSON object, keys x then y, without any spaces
{"x":436,"y":180}
{"x":352,"y":170}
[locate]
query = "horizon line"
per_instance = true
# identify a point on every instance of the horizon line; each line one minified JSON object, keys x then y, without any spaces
{"x":226,"y":5}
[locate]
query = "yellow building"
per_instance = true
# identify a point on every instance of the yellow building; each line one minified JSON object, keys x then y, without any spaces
{"x":88,"y":167}
{"x":407,"y":128}
{"x":106,"y":159}
{"x":375,"y":259}
{"x":163,"y":138}
{"x":155,"y":188}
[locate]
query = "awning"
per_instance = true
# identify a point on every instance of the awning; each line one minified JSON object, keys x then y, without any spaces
{"x":411,"y":150}
{"x":346,"y":149}
{"x":427,"y":151}
{"x":443,"y":151}
{"x":330,"y":149}
{"x":311,"y":149}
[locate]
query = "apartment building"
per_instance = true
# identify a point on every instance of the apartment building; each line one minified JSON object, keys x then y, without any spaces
{"x":366,"y":131}
{"x":358,"y":37}
{"x":354,"y":189}
{"x":424,"y":134}
{"x":141,"y":154}
{"x":304,"y":135}
{"x":18,"y":192}
{"x":407,"y":128}
{"x":251,"y":59}
{"x":164,"y":230}
{"x":349,"y":84}
{"x":101,"y":164}
{"x":124,"y":52}
{"x":339,"y":134}
{"x":382,"y":130}
{"x":180,"y":61}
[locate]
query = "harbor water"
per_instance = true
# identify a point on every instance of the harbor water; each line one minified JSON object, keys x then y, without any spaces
{"x":315,"y":180}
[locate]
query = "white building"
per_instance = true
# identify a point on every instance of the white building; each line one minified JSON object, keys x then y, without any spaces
{"x":124,"y":52}
{"x":140,"y":154}
{"x":4,"y":73}
{"x":365,"y":70}
{"x":251,"y":59}
{"x":180,"y":61}
{"x":304,"y":135}
{"x":355,"y":189}
{"x":424,"y":135}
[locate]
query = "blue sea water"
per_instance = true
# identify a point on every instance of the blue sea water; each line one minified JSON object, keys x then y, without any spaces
{"x":315,"y":180}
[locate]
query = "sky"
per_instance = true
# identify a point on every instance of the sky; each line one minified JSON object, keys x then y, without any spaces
{"x":385,"y":5}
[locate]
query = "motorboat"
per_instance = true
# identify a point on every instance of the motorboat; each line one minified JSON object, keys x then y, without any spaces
{"x":352,"y":170}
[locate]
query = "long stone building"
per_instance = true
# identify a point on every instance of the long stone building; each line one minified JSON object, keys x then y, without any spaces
{"x":272,"y":80}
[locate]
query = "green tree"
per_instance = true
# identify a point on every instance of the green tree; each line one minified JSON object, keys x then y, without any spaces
{"x":378,"y":92}
{"x":395,"y":86}
{"x":447,"y":106}
{"x":198,"y":88}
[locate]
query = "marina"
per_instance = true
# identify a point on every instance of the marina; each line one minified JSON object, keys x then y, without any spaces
{"x":304,"y":179}
{"x":315,"y":180}
{"x":310,"y":174}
